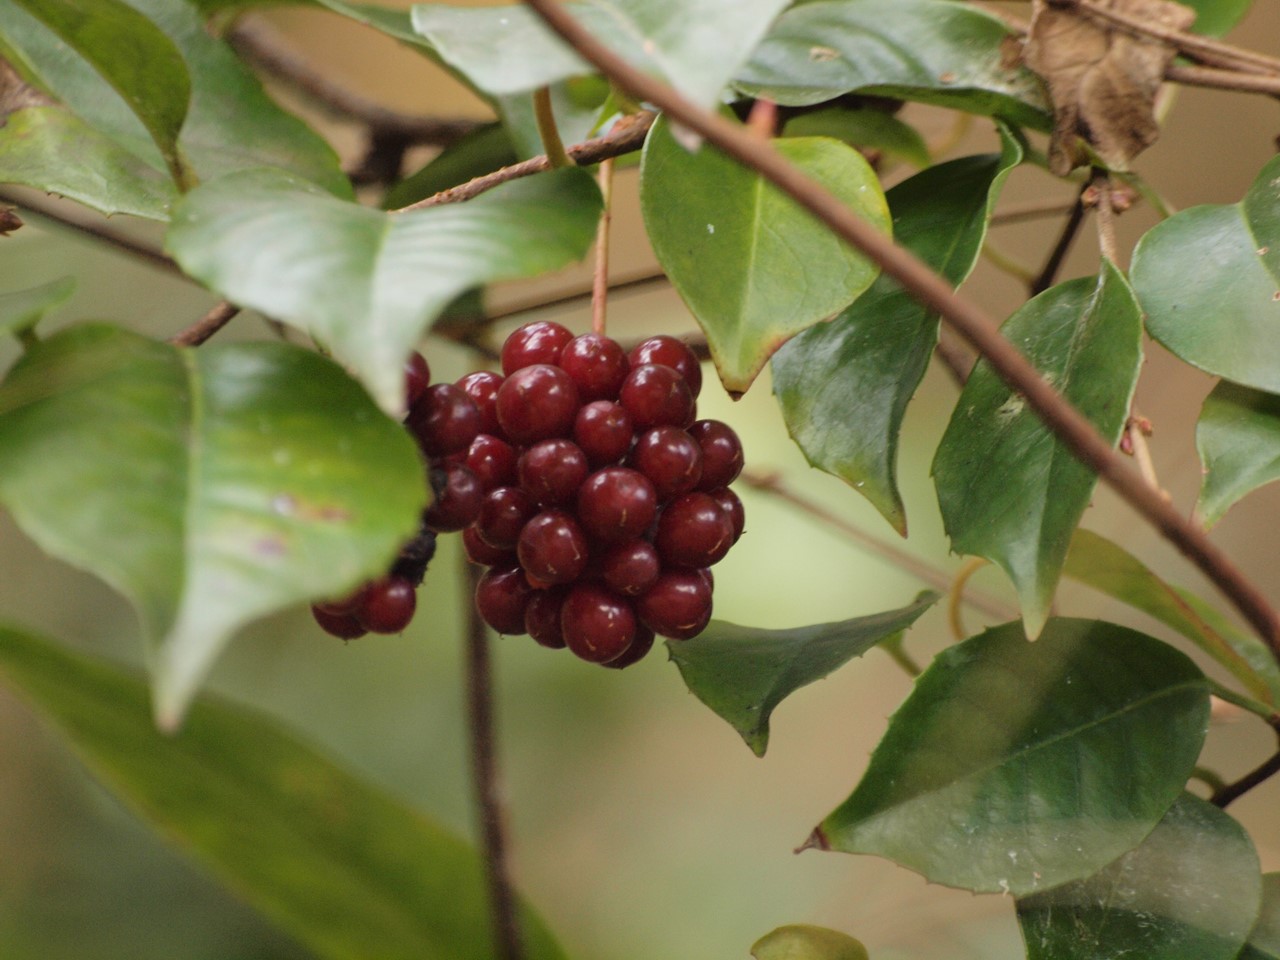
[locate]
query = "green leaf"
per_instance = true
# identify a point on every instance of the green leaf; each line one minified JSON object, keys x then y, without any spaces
{"x":804,"y":942}
{"x":752,"y":266}
{"x":696,"y":45}
{"x":1238,"y":439}
{"x":1096,"y":561}
{"x":367,"y":283}
{"x":843,"y":386}
{"x":211,"y":487}
{"x":864,"y":128}
{"x":1016,"y":766}
{"x":931,"y":51}
{"x":743,"y":673}
{"x":1264,"y":941}
{"x":21,"y":310}
{"x":1216,"y":17}
{"x":1208,"y":279}
{"x":135,"y":57}
{"x":483,"y":150}
{"x":347,"y":870}
{"x":1085,"y":337}
{"x":1190,"y":891}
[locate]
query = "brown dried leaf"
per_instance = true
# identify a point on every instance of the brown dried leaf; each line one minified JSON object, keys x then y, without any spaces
{"x":16,"y":93}
{"x":1102,"y":79}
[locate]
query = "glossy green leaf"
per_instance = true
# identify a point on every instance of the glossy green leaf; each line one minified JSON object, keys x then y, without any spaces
{"x":483,"y":150}
{"x":1238,"y":439}
{"x":932,"y":51}
{"x":804,"y":942}
{"x":1107,"y":567}
{"x":1208,"y":279}
{"x":743,"y":673}
{"x":1216,"y":17}
{"x":844,"y":386}
{"x":1016,"y":766}
{"x":752,"y":266}
{"x":696,"y":45}
{"x":344,"y":868}
{"x":134,"y":56}
{"x":365,"y":283}
{"x":866,"y":129}
{"x":1085,"y":337}
{"x":1264,"y":940}
{"x":1190,"y":891}
{"x":21,"y":310}
{"x":211,"y":487}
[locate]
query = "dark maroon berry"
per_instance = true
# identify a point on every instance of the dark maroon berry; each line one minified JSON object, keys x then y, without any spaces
{"x":542,"y":617}
{"x":630,"y":568}
{"x":731,"y":505}
{"x":721,"y":453}
{"x":503,"y":515}
{"x":502,"y":595}
{"x":482,"y":387}
{"x":552,"y":548}
{"x":388,"y":605}
{"x":602,"y":429}
{"x":598,"y":625}
{"x":539,"y":342}
{"x":480,"y":552}
{"x":457,"y":501}
{"x":339,"y":606}
{"x":444,"y":420}
{"x":656,"y":396}
{"x":678,"y":605}
{"x":345,"y":626}
{"x":616,"y":504}
{"x":638,"y":650}
{"x":669,"y":352}
{"x":596,"y":364}
{"x":417,"y":377}
{"x":551,"y":471}
{"x":537,"y":403}
{"x":493,"y":461}
{"x":694,"y":531}
{"x":670,"y":458}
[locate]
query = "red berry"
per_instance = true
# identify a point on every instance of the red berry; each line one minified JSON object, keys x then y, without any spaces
{"x":501,"y":598}
{"x":388,"y":605}
{"x":670,"y":458}
{"x":503,"y":515}
{"x":552,"y":548}
{"x":597,"y":624}
{"x":343,"y":605}
{"x":458,"y":499}
{"x":342,"y":625}
{"x":417,"y":377}
{"x":551,"y":471}
{"x":539,"y":342}
{"x":616,"y":504}
{"x":721,"y":453}
{"x":669,"y":352}
{"x":630,"y":568}
{"x":678,"y":605}
{"x":536,"y":403}
{"x":444,"y":420}
{"x":493,"y":461}
{"x":656,"y":396}
{"x":542,"y":617}
{"x":482,"y":387}
{"x":731,"y":505}
{"x":694,"y":531}
{"x":480,"y":552}
{"x":639,"y":648}
{"x":596,"y":364}
{"x":602,"y":429}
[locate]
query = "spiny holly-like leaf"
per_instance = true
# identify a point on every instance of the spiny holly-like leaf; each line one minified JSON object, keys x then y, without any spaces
{"x":843,"y":386}
{"x":1096,"y":561}
{"x":367,"y":283}
{"x":933,"y":51}
{"x":1208,"y":279}
{"x":1264,"y":940}
{"x":752,"y":266}
{"x":696,"y":45}
{"x":347,"y":870}
{"x":21,"y":310}
{"x":743,"y":673}
{"x":800,"y":941}
{"x":1015,"y":766}
{"x":211,"y":487}
{"x":1085,"y":336}
{"x":865,"y":128}
{"x":1238,"y":439}
{"x":1190,"y":891}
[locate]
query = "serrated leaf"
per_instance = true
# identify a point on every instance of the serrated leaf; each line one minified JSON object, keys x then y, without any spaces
{"x":931,"y":51}
{"x":1264,"y":940}
{"x":743,"y":673}
{"x":804,"y":942}
{"x":1238,"y":439}
{"x":1016,"y":766}
{"x":1103,"y":565}
{"x":864,"y":128}
{"x":366,"y":283}
{"x":1190,"y":891}
{"x":843,"y":387}
{"x":344,"y":868}
{"x":696,"y":45}
{"x":751,"y":265}
{"x":20,"y":310}
{"x":1208,"y":279}
{"x":210,"y":487}
{"x":1009,"y":490}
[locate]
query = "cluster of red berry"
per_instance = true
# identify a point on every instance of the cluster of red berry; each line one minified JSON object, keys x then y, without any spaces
{"x":581,"y":478}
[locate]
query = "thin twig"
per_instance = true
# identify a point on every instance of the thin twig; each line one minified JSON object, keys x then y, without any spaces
{"x":1044,"y":280}
{"x":484,"y":773}
{"x":956,"y":596}
{"x":1030,"y":211}
{"x":1136,"y":432}
{"x":1223,"y":79}
{"x":935,"y":293}
{"x":600,"y":275}
{"x":1233,"y":791}
{"x":1099,"y":192}
{"x":206,"y":326}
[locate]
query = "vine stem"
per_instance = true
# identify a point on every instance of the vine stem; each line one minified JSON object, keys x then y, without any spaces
{"x":204,"y":328}
{"x":931,"y":290}
{"x":1223,"y":79}
{"x":484,"y":773}
{"x":600,"y":276}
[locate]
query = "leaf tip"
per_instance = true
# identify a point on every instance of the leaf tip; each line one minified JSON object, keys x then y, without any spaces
{"x":816,"y":841}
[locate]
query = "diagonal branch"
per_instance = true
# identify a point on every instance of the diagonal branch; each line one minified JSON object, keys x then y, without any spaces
{"x":932,"y":291}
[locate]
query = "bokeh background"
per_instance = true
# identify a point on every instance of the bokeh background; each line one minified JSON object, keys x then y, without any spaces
{"x":641,"y":825}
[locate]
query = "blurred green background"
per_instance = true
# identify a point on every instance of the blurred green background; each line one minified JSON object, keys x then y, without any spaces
{"x":641,"y":825}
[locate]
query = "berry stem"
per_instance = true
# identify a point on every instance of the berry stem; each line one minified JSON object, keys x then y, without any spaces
{"x":484,"y":772}
{"x":600,"y":277}
{"x":547,"y":130}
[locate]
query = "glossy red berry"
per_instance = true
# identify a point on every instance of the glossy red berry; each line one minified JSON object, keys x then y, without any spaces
{"x":458,"y":499}
{"x":502,"y":595}
{"x":732,"y":506}
{"x":670,"y":458}
{"x":630,"y":568}
{"x":388,"y":605}
{"x":669,"y":352}
{"x":597,"y":624}
{"x":480,"y":552}
{"x":602,"y":430}
{"x":444,"y":420}
{"x":493,"y":461}
{"x":482,"y":387}
{"x":596,"y":365}
{"x":551,"y":471}
{"x":417,"y":377}
{"x":542,"y":617}
{"x":656,"y":396}
{"x":616,"y":504}
{"x":537,"y":403}
{"x":639,"y":649}
{"x":694,"y":531}
{"x":534,"y":343}
{"x":503,"y":515}
{"x":552,"y":548}
{"x":345,"y":626}
{"x":678,"y":605}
